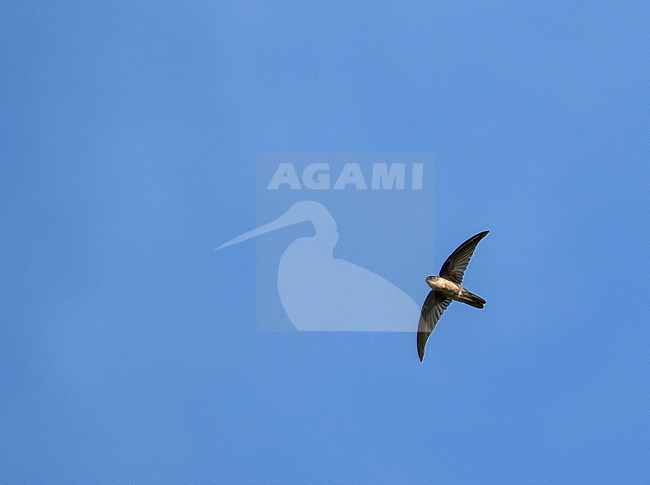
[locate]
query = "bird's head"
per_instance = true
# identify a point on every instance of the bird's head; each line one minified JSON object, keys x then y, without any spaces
{"x":431,"y":279}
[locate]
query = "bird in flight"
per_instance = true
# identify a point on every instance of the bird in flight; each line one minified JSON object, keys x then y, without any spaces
{"x":447,"y":287}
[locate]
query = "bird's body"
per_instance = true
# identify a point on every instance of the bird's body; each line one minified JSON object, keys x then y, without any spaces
{"x":452,"y":291}
{"x":447,"y":288}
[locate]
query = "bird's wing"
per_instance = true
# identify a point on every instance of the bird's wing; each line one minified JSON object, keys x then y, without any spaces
{"x":432,"y":308}
{"x":456,"y":264}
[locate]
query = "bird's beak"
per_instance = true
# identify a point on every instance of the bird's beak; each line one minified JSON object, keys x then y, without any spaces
{"x":284,"y":220}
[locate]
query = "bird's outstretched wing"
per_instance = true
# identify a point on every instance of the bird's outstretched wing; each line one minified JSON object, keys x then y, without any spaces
{"x":456,"y":264}
{"x":433,"y":306}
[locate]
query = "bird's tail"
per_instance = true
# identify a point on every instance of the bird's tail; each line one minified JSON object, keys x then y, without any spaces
{"x":472,"y":300}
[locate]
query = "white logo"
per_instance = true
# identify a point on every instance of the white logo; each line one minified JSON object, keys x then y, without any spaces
{"x":317,"y":176}
{"x":302,"y":278}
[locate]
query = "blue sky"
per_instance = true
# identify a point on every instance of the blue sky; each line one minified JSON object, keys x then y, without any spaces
{"x":129,"y":351}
